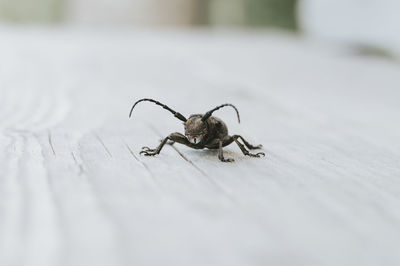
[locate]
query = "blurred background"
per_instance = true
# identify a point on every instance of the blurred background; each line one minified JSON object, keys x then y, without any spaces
{"x":372,"y":26}
{"x":280,"y":13}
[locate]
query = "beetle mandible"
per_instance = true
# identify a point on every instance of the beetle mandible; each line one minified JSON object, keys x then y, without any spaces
{"x":202,"y":131}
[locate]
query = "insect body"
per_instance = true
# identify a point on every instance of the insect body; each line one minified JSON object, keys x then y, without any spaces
{"x":202,"y":131}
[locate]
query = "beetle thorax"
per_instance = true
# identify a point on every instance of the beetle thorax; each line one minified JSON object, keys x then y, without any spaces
{"x":195,"y":129}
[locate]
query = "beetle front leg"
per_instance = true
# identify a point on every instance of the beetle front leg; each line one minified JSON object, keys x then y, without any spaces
{"x":221,"y":154}
{"x":174,"y":137}
{"x":151,"y":152}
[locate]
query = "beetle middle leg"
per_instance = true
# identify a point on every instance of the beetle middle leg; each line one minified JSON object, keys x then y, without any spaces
{"x":174,"y":137}
{"x":221,"y":153}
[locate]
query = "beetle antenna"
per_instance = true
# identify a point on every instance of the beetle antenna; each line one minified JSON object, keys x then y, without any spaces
{"x":209,"y":113}
{"x":176,"y":114}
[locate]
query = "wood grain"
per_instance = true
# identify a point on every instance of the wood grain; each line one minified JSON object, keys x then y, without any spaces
{"x":75,"y":191}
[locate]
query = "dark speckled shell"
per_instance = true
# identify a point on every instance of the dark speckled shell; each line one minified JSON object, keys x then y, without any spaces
{"x":216,"y":130}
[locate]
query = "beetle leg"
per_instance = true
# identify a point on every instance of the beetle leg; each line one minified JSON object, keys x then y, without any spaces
{"x":180,"y":138}
{"x":174,"y":137}
{"x":248,"y":145}
{"x":243,"y":149}
{"x":227,"y":140}
{"x":221,"y":154}
{"x":151,"y":152}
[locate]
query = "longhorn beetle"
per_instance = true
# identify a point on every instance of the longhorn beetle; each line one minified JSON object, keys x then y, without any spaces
{"x":202,"y":131}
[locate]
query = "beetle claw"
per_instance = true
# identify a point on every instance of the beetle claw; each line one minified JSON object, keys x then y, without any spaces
{"x":256,"y":155}
{"x":148,"y":152}
{"x":227,"y":160}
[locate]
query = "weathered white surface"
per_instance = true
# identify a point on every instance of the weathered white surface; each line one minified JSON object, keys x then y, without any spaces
{"x":74,"y":191}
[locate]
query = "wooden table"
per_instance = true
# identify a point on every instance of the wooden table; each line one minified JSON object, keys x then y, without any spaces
{"x":74,"y":190}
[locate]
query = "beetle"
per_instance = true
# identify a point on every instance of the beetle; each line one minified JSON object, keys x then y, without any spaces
{"x":202,"y":131}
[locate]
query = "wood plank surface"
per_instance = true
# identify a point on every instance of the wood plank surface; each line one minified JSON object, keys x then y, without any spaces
{"x":75,"y":191}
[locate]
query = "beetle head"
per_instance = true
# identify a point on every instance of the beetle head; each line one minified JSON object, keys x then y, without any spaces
{"x":195,"y":129}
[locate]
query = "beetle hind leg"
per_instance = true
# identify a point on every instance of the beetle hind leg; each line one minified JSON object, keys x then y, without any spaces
{"x":244,"y":150}
{"x":247,"y":144}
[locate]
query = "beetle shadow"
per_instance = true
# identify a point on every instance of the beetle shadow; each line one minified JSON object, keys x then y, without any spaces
{"x":211,"y":154}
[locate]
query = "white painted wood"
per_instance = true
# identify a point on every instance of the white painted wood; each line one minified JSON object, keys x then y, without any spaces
{"x":75,"y":191}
